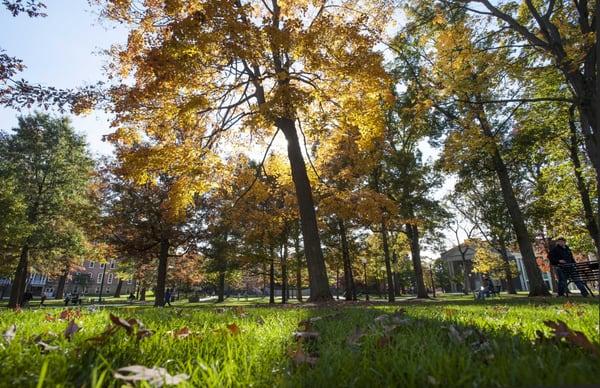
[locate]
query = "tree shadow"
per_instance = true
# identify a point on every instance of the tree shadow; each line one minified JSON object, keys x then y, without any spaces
{"x":440,"y":347}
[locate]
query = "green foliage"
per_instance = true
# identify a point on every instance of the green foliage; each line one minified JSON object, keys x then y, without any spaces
{"x":45,"y":170}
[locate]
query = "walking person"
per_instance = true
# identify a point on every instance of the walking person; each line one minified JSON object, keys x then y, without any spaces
{"x":562,"y":259}
{"x":168,"y":293}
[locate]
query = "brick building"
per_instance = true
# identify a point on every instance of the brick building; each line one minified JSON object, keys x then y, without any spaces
{"x":87,"y":279}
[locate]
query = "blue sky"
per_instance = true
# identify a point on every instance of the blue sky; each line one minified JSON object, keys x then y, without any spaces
{"x":62,"y":50}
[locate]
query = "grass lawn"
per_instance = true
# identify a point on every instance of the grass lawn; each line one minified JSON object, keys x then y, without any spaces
{"x":453,"y":341}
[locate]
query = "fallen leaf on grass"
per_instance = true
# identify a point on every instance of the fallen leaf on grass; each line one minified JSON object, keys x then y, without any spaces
{"x":130,"y":326}
{"x":154,"y":376}
{"x":10,"y":333}
{"x":49,"y":318}
{"x":45,"y":348}
{"x":450,"y":312}
{"x":574,"y":337}
{"x":308,"y":324}
{"x":184,"y":332}
{"x":69,"y":314}
{"x":71,"y":329}
{"x":233,"y":328}
{"x":121,"y":322}
{"x":299,"y":357}
{"x":355,"y":337}
{"x":305,"y":335}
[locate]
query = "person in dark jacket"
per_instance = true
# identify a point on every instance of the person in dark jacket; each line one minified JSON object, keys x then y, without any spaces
{"x":561,"y":257}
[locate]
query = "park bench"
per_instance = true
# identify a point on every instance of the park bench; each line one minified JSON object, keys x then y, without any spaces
{"x":585,"y":272}
{"x":487,"y":293}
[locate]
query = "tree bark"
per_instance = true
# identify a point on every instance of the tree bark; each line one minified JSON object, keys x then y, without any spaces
{"x":284,"y":277}
{"x":396,"y":274}
{"x":537,"y":287}
{"x":60,"y":287}
{"x":161,"y":280}
{"x":415,"y":249}
{"x":298,"y":268}
{"x":317,"y":274}
{"x":272,"y":280}
{"x":18,"y":287}
{"x":507,"y":272}
{"x":221,"y":286}
{"x":387,"y":259}
{"x":118,"y":290}
{"x":142,"y":294}
{"x":349,"y":288}
{"x":591,"y":220}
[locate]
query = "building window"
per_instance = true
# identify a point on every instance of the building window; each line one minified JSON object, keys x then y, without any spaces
{"x":108,"y":290}
{"x":92,"y":263}
{"x":110,"y":278}
{"x":99,"y":278}
{"x":102,"y":265}
{"x":129,"y":281}
{"x":97,"y":290}
{"x":112,"y":264}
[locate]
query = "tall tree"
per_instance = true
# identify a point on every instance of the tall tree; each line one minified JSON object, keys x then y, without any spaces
{"x":50,"y":167}
{"x":202,"y":69}
{"x":567,"y":35}
{"x":141,"y":225}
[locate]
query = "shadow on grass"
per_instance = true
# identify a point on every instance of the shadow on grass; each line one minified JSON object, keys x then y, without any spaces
{"x":423,"y":350}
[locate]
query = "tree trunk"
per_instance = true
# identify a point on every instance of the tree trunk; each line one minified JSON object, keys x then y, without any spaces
{"x":18,"y":286}
{"x":284,"y":277}
{"x":60,"y":287}
{"x":118,"y":290}
{"x":396,"y":274}
{"x":317,"y":274}
{"x":272,"y":280}
{"x":161,"y":280}
{"x":349,"y":288}
{"x":507,"y":273}
{"x":466,"y":278}
{"x":221,"y":286}
{"x":415,"y":250}
{"x":537,"y":287}
{"x":591,"y":220}
{"x":298,"y":268}
{"x":142,"y":294}
{"x":388,"y":263}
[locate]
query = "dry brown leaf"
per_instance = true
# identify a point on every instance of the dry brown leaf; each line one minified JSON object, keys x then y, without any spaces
{"x":300,"y":357}
{"x":154,"y":376}
{"x":184,"y":332}
{"x":574,"y":337}
{"x":305,"y":335}
{"x":233,"y":328}
{"x":71,"y":329}
{"x":10,"y":333}
{"x":49,"y":318}
{"x":121,"y":322}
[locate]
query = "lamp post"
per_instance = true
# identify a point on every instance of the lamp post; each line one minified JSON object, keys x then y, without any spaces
{"x":364,"y":262}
